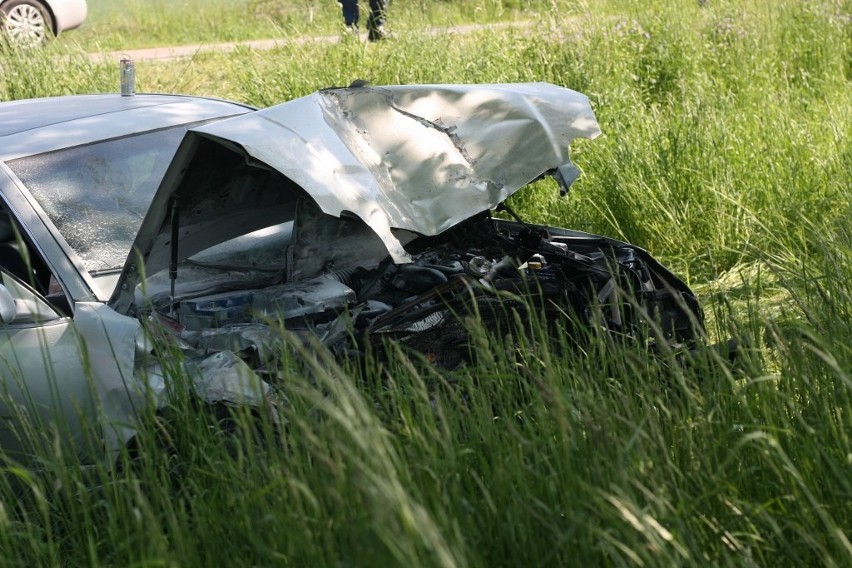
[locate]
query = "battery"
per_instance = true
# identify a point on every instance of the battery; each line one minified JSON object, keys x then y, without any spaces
{"x":127,"y":75}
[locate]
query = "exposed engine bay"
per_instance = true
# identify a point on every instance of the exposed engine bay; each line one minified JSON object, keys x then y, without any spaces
{"x":365,"y":215}
{"x":331,"y":278}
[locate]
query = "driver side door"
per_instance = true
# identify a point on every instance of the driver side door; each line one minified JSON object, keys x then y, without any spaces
{"x":46,"y":389}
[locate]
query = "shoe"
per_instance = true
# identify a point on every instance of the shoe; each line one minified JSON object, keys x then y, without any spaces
{"x":378,"y":34}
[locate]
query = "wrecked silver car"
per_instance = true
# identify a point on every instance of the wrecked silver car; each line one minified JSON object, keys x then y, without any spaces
{"x":355,"y":216}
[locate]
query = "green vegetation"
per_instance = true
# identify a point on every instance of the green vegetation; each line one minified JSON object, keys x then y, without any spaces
{"x":112,"y":23}
{"x":726,"y":153}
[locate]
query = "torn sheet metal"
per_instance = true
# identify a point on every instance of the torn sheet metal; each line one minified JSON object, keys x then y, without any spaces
{"x":422,"y":157}
{"x":224,"y":377}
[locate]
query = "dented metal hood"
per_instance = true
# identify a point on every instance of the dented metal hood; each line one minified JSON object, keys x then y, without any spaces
{"x":416,"y":157}
{"x":421,"y":157}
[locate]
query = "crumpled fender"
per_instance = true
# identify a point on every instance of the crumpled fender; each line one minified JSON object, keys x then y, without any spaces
{"x":126,"y":380}
{"x":111,"y":342}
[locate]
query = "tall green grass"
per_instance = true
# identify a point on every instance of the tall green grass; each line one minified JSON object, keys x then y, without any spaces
{"x":725,"y":153}
{"x":114,"y":25}
{"x":534,"y":456}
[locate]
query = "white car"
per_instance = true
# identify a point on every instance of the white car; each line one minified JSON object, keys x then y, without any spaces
{"x":354,"y":216}
{"x":29,"y":22}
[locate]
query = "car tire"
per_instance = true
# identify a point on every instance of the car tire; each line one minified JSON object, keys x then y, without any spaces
{"x":25,"y":22}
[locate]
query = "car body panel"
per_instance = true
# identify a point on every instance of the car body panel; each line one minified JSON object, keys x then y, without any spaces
{"x":35,"y":126}
{"x":41,"y":362}
{"x":114,"y":344}
{"x":419,"y":158}
{"x":68,"y":14}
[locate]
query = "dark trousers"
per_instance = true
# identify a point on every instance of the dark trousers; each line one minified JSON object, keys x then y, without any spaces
{"x":351,"y":13}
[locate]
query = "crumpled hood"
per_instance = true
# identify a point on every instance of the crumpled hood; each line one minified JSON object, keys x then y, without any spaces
{"x":421,"y":158}
{"x":417,"y":157}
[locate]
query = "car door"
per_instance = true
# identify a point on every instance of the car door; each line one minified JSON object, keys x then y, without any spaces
{"x":46,"y":393}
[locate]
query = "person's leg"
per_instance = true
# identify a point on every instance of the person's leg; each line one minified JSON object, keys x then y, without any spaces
{"x":376,"y":21}
{"x":350,"y":12}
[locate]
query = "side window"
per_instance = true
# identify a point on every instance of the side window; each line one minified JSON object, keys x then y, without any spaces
{"x":15,"y":255}
{"x":30,"y":307}
{"x":19,"y":260}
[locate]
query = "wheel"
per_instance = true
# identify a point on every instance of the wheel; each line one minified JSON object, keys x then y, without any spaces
{"x":26,"y":22}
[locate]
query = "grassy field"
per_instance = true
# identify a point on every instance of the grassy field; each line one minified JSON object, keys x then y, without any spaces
{"x":726,"y":153}
{"x":112,"y":23}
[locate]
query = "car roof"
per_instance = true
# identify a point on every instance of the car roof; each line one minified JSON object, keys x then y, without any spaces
{"x":34,"y":126}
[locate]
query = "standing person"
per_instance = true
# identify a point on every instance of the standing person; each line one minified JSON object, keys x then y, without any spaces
{"x":375,"y":23}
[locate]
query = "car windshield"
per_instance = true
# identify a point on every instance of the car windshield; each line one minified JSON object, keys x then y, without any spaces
{"x":98,"y":194}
